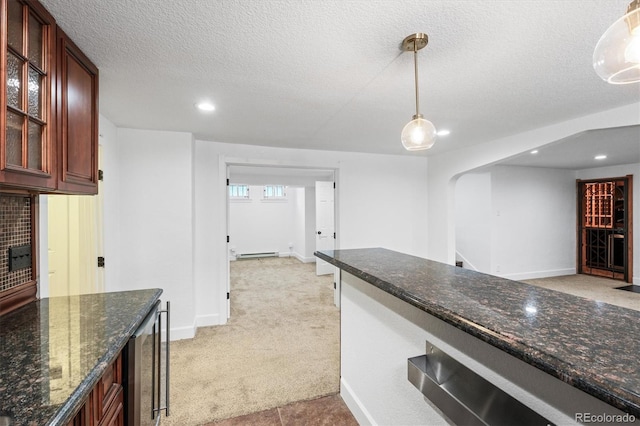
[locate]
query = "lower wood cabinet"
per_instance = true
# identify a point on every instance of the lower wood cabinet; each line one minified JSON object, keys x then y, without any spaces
{"x":105,"y":404}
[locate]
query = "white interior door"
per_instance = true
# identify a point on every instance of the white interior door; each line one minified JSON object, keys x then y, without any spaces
{"x":75,"y":242}
{"x":325,"y":224}
{"x":73,"y":245}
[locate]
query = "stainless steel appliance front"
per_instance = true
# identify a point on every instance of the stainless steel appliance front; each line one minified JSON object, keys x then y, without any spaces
{"x":147,"y":382}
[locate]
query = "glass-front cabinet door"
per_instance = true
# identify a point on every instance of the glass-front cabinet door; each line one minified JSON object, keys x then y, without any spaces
{"x":27,"y":157}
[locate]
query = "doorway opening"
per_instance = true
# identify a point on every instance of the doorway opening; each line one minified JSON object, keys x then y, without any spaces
{"x":605,"y":241}
{"x":75,"y":247}
{"x":280,"y":211}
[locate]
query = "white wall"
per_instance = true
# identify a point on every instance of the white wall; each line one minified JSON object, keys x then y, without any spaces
{"x":309,"y":223}
{"x":166,"y":213}
{"x":304,"y":219}
{"x":473,"y":221}
{"x":382,"y":202}
{"x":257,"y":225}
{"x":618,"y":171}
{"x":153,"y":207}
{"x":517,"y":222}
{"x":533,"y":222}
{"x":297,"y":199}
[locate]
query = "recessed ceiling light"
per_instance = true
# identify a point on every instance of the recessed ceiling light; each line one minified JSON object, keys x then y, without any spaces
{"x":205,"y":106}
{"x":600,"y":157}
{"x":535,"y":151}
{"x":443,"y":132}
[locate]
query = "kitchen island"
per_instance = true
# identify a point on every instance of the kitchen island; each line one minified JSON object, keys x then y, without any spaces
{"x":564,"y":356}
{"x":53,"y":351}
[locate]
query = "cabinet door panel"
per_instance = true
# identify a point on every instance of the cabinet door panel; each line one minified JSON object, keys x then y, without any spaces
{"x":78,"y":119}
{"x":27,"y":117}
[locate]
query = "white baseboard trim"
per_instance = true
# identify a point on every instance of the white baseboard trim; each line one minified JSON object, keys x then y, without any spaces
{"x":636,"y":280}
{"x":362,"y":415}
{"x":207,"y":320}
{"x":539,"y":274}
{"x":181,"y":333}
{"x":304,"y":259}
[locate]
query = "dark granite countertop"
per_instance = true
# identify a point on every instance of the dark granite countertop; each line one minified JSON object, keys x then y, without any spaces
{"x":53,"y":351}
{"x":590,"y":345}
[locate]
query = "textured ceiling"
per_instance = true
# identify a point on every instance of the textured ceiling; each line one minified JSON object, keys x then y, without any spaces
{"x":620,"y":145}
{"x":326,"y":74}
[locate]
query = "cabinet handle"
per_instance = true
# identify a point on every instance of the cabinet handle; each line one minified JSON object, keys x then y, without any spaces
{"x":167,"y":357}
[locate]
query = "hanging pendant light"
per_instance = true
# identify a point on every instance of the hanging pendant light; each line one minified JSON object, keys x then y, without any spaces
{"x":419,"y":133}
{"x":616,"y":57}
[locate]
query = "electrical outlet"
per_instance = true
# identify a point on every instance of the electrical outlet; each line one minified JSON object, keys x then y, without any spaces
{"x":19,"y":257}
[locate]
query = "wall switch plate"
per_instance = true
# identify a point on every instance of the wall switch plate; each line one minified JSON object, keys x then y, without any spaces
{"x":19,"y":257}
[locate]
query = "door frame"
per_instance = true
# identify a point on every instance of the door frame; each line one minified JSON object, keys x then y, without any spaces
{"x":225,"y":261}
{"x":627,"y":275}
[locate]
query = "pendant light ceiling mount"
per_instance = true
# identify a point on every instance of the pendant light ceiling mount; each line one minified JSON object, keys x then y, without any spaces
{"x":419,"y":133}
{"x":415,"y":42}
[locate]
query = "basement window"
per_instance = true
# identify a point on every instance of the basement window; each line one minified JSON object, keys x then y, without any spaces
{"x":274,"y":192}
{"x":239,"y":192}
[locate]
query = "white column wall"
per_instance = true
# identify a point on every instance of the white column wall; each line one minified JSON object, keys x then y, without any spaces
{"x":297,"y":200}
{"x":473,"y":221}
{"x":155,"y":214}
{"x":533,"y":222}
{"x":309,"y":223}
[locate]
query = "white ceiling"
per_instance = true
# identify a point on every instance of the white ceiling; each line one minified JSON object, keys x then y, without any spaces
{"x":621,"y":145}
{"x":329,"y":74}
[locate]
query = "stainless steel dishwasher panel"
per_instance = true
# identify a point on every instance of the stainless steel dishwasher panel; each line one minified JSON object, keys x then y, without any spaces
{"x":464,"y":396}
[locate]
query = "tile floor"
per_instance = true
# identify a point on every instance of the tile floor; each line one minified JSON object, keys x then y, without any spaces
{"x":327,"y":411}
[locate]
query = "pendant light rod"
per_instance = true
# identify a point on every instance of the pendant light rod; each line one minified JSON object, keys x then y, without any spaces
{"x":415,"y":66}
{"x":413,"y":43}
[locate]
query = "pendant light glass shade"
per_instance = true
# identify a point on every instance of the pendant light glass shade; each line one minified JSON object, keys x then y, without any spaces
{"x":616,"y":57}
{"x":418,"y":134}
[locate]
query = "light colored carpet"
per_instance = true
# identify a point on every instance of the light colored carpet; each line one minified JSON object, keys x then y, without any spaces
{"x":595,"y":288}
{"x":281,"y":344}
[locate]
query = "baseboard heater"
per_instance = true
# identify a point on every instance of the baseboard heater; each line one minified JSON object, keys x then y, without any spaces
{"x":465,"y":397}
{"x":254,"y":255}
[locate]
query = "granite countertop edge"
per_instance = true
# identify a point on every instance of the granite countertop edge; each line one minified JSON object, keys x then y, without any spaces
{"x":549,"y":364}
{"x":66,"y":412}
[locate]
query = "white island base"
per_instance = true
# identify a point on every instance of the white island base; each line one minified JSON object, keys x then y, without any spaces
{"x":379,"y":332}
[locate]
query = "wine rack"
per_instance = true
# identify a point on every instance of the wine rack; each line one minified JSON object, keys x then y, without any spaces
{"x":598,"y":209}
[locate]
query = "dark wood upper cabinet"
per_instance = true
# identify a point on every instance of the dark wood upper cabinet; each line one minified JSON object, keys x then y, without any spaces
{"x":48,"y":107}
{"x":77,"y":107}
{"x":27,"y":120}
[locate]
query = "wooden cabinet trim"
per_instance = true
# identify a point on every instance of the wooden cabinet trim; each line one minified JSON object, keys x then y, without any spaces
{"x":22,"y":177}
{"x":17,"y":296}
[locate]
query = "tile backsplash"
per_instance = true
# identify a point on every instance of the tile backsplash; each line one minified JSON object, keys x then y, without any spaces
{"x":15,"y":230}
